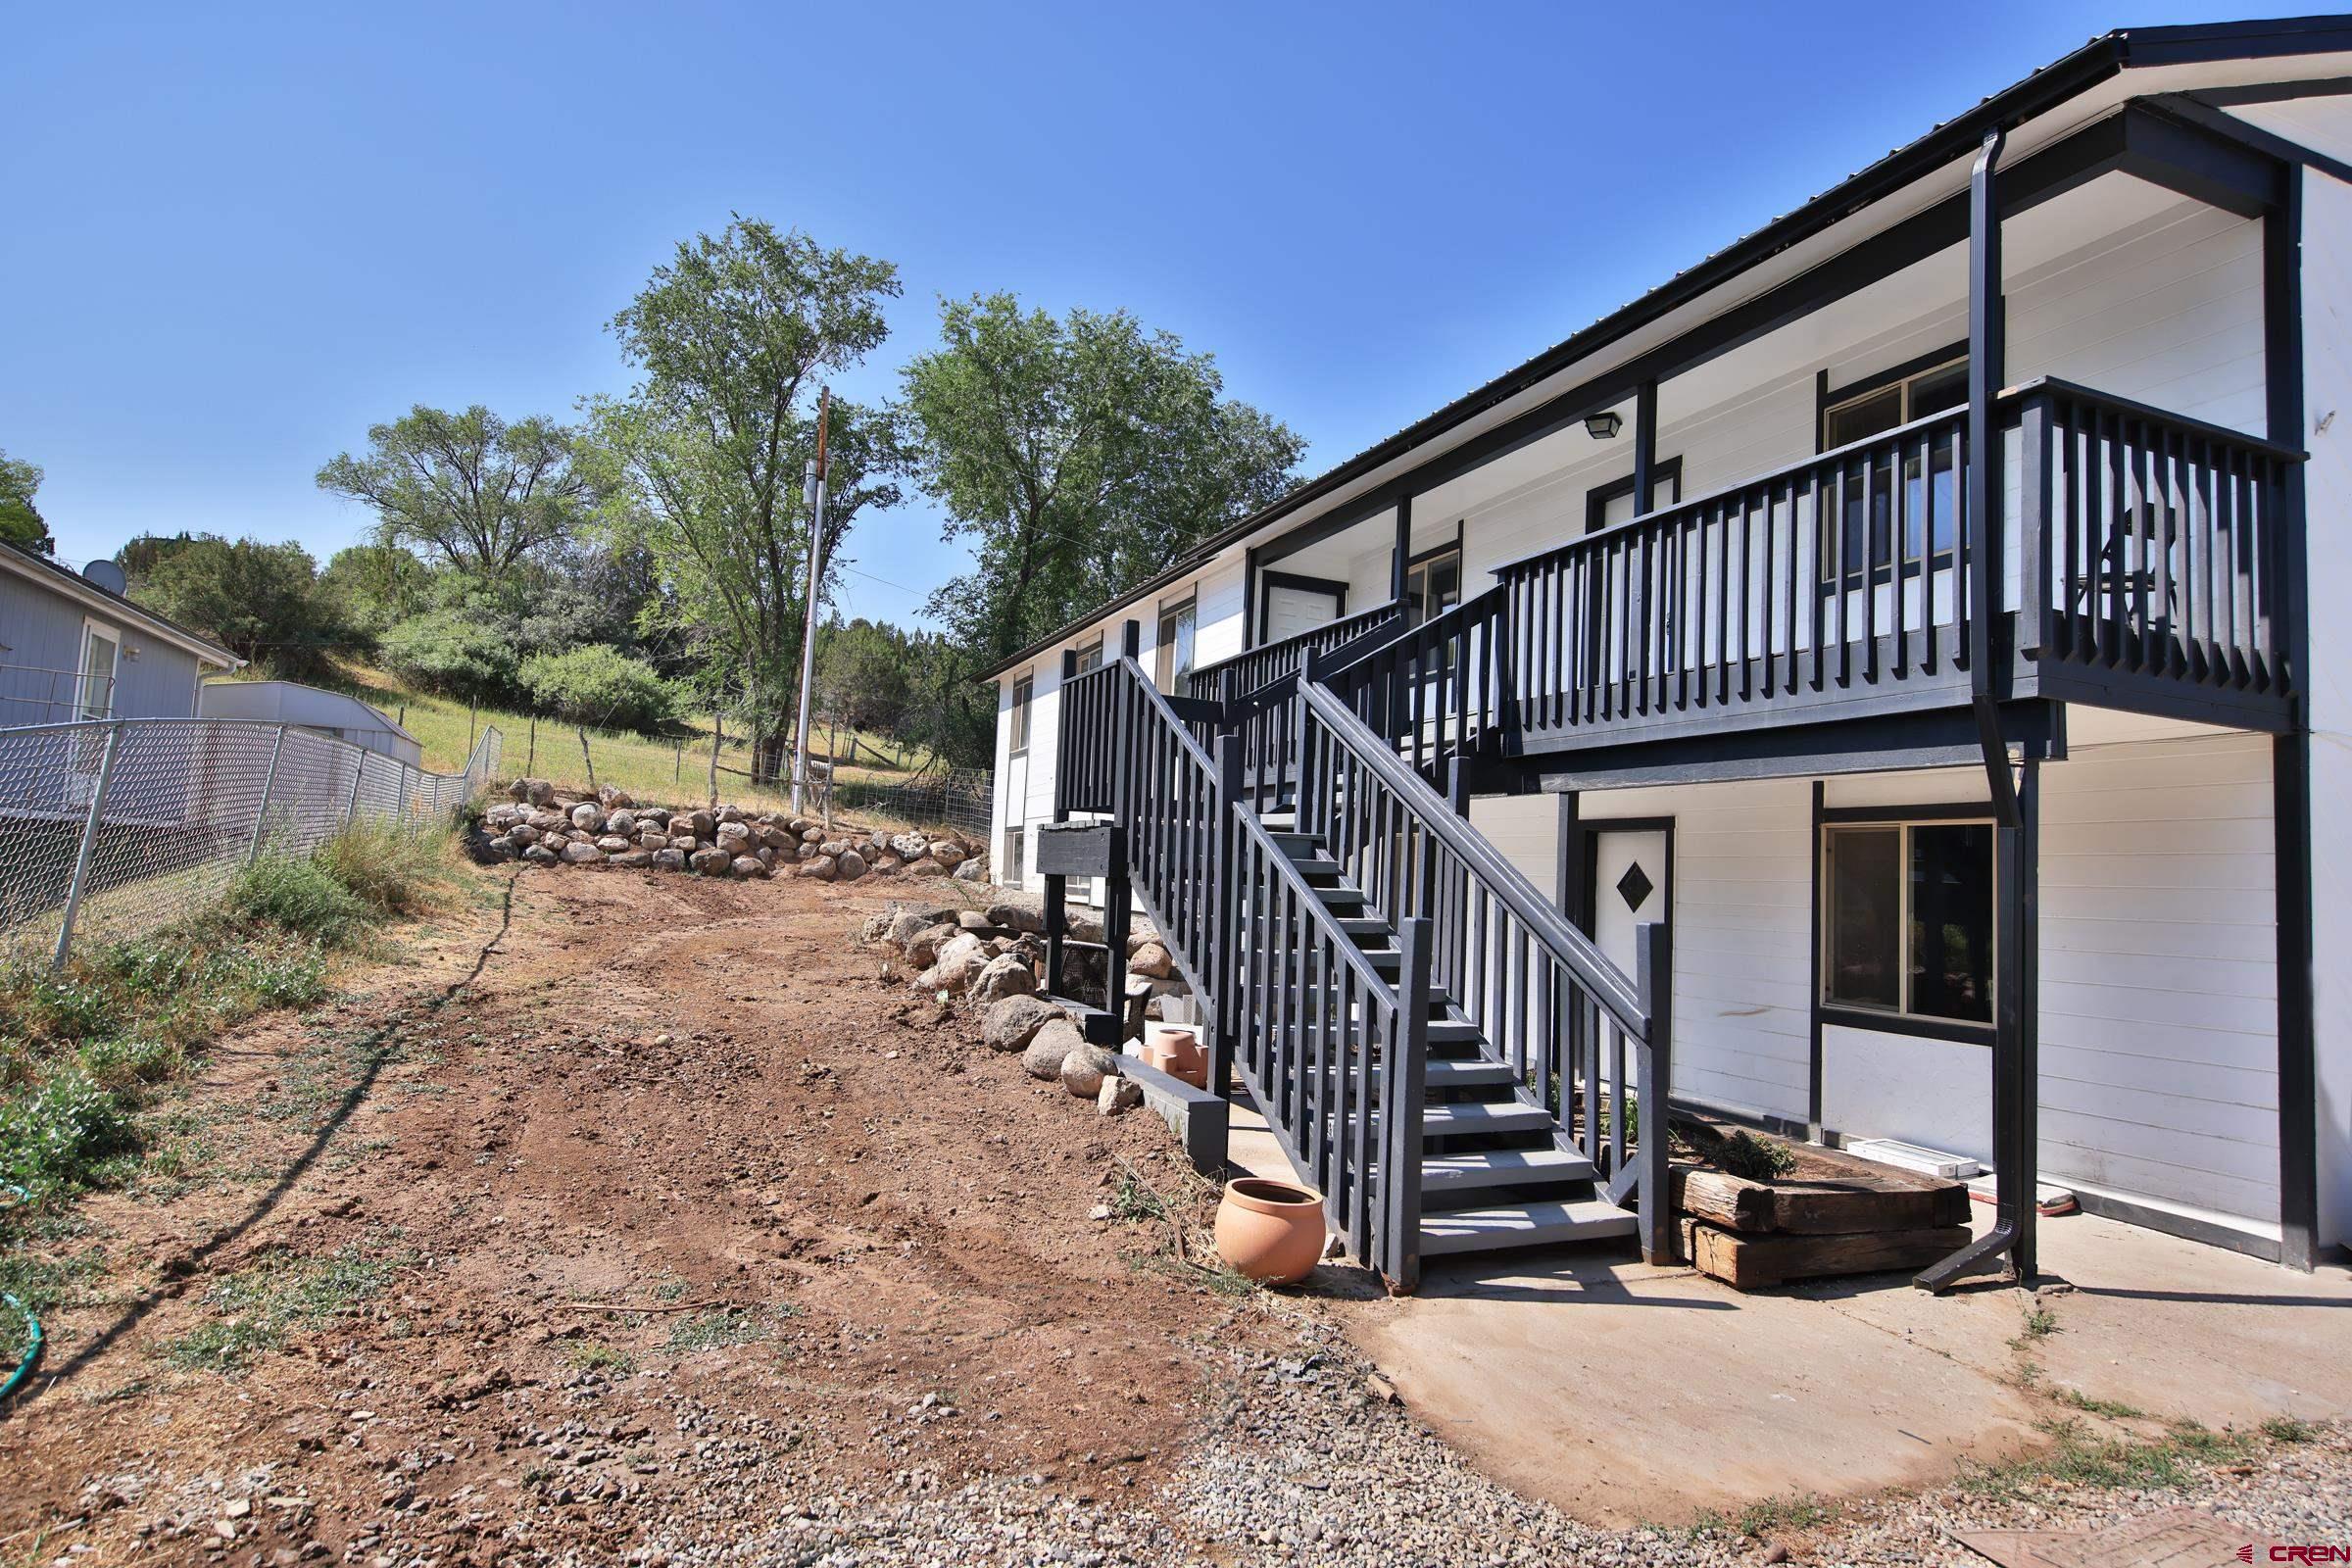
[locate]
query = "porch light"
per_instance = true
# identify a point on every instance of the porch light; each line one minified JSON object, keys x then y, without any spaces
{"x":1604,"y":425}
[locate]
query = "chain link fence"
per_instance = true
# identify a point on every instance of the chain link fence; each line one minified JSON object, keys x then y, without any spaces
{"x":112,"y":828}
{"x":957,"y":798}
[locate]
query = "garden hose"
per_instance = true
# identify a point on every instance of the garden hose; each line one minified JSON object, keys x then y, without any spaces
{"x":32,"y":1325}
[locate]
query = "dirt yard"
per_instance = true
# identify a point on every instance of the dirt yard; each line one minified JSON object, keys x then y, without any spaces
{"x":643,"y":1219}
{"x":613,"y":1186}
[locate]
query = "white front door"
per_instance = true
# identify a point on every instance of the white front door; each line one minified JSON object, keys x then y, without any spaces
{"x":1629,"y":888}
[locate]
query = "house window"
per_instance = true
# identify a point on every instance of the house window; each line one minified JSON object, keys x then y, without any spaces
{"x":1020,"y":717}
{"x":1907,"y":919}
{"x":1173,"y":655}
{"x":101,"y":655}
{"x":1930,"y":481}
{"x":1608,"y":505}
{"x":1016,"y":850}
{"x":1090,"y":654}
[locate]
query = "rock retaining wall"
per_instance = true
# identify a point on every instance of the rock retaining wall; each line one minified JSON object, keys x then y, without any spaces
{"x":542,"y":825}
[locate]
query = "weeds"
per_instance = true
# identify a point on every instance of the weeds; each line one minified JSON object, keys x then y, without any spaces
{"x":714,"y":1331}
{"x":391,"y":869}
{"x":2113,"y":1409}
{"x":1769,"y":1516}
{"x":2078,"y":1459}
{"x":261,"y":1304}
{"x":1134,"y":1203}
{"x":1754,"y":1158}
{"x":2287,"y":1429}
{"x":592,"y":1356}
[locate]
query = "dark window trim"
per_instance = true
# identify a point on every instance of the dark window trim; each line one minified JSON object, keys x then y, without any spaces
{"x":1666,"y":471}
{"x":1827,"y":397}
{"x":1917,"y":1025}
{"x":1189,"y":599}
{"x":1441,"y":548}
{"x":1590,"y":829}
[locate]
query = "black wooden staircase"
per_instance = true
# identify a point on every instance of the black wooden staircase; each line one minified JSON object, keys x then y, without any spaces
{"x":1454,"y":1066}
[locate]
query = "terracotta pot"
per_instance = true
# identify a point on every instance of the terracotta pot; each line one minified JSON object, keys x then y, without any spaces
{"x":1270,"y":1231}
{"x":1177,"y":1053}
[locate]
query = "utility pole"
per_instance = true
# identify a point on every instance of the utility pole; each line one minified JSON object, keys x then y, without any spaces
{"x":816,"y":545}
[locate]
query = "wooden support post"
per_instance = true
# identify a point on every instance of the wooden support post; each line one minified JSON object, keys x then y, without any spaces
{"x":1654,"y":975}
{"x":1402,"y":561}
{"x":1404,"y":1092}
{"x":1118,"y":905}
{"x":1226,"y":898}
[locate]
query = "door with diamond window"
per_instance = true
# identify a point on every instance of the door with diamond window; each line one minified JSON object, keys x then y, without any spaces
{"x":1628,"y":887}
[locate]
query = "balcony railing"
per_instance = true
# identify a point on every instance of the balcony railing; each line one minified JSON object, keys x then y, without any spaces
{"x":1843,"y":582}
{"x":1261,"y":666}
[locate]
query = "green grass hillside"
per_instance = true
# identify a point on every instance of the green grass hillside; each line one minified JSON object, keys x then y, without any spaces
{"x":668,"y":768}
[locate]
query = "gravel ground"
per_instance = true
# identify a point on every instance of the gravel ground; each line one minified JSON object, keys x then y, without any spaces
{"x":1305,"y":1460}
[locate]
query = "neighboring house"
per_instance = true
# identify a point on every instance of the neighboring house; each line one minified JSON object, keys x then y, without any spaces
{"x":1906,"y":606}
{"x":72,"y":647}
{"x":330,"y":714}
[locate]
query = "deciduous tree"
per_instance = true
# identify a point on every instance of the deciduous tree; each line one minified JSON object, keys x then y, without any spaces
{"x":470,"y":490}
{"x":21,"y":521}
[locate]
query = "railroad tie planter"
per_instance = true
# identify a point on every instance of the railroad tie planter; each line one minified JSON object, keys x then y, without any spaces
{"x":1829,"y":1213}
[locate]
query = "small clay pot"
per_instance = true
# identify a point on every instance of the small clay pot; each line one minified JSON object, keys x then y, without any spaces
{"x":1177,"y":1053}
{"x":1270,"y":1231}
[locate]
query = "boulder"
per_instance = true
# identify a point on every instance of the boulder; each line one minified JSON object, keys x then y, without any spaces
{"x":588,"y":816}
{"x":877,"y":842}
{"x":669,"y":859}
{"x":909,"y":845}
{"x":820,"y":867}
{"x":1016,"y":918}
{"x":1084,"y":1070}
{"x":887,"y":863}
{"x":634,"y":859}
{"x":748,"y":867}
{"x":1003,"y":976}
{"x":685,"y":843}
{"x":1085,"y":928}
{"x":974,"y":920}
{"x":765,"y":856}
{"x":503,"y":849}
{"x":731,"y":815}
{"x":653,"y":838}
{"x":1011,"y":1023}
{"x":1118,"y":1094}
{"x":926,"y":866}
{"x":699,"y":823}
{"x":812,"y":836}
{"x":948,"y":853}
{"x":1043,"y":1057}
{"x":582,"y":853}
{"x":849,"y":866}
{"x":1151,"y":960}
{"x":524,"y":834}
{"x":540,"y":854}
{"x":711,"y":863}
{"x":548,"y":822}
{"x":623,"y":822}
{"x":659,"y":816}
{"x":554,"y":840}
{"x":974,"y":869}
{"x":615,"y":844}
{"x":498,"y":818}
{"x":775,"y":838}
{"x":734,"y":838}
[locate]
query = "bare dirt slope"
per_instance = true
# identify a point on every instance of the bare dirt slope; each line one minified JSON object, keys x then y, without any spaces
{"x":374,"y":1318}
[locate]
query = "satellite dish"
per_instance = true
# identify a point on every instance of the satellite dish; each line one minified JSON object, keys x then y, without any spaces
{"x":106,"y":575}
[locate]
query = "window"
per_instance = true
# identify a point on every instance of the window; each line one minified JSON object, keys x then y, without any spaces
{"x":1608,"y":505}
{"x":101,"y":654}
{"x":1907,"y":917}
{"x":1173,"y":654}
{"x":1433,"y":584}
{"x":1021,"y":716}
{"x":1017,"y":869}
{"x":1090,"y":654}
{"x":1931,"y":480}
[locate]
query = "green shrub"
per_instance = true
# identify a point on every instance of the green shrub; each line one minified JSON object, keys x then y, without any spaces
{"x":63,"y":1133}
{"x":455,"y":651}
{"x":599,"y":685}
{"x":1756,"y":1159}
{"x":389,"y":867}
{"x":298,"y":896}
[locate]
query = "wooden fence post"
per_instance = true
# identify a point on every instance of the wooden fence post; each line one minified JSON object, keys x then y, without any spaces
{"x":1225,"y":898}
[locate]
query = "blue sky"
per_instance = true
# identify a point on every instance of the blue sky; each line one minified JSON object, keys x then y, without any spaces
{"x":236,"y":237}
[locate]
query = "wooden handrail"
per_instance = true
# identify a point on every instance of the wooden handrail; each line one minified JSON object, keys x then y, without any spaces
{"x":1204,"y":679}
{"x":1570,"y":947}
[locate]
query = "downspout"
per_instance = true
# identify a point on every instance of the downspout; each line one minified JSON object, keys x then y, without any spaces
{"x":1988,"y":335}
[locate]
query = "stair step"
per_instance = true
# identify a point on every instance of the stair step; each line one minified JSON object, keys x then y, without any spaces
{"x":1475,"y":1073}
{"x":1485,"y":1230}
{"x":1366,"y":926}
{"x":1454,"y":1032}
{"x":1502,"y":1167}
{"x":1483,"y":1116}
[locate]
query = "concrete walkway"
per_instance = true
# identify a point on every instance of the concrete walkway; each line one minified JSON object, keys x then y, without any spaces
{"x":1627,"y":1394}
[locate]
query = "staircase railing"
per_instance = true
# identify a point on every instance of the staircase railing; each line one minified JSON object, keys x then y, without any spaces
{"x":1333,"y":1054}
{"x":1263,"y":665}
{"x":1436,"y":690}
{"x":1546,"y":999}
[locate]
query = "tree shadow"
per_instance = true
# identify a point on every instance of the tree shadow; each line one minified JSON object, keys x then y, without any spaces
{"x":183,"y":1270}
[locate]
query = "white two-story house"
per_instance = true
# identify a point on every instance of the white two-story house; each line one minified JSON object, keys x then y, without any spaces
{"x":1921,"y":608}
